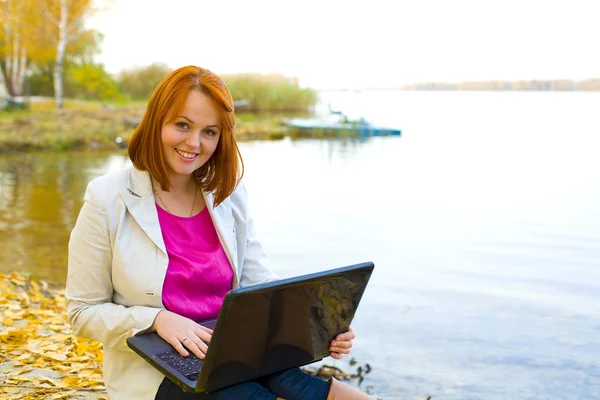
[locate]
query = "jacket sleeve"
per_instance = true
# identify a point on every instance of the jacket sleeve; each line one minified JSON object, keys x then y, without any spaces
{"x":89,"y":287}
{"x":256,"y":268}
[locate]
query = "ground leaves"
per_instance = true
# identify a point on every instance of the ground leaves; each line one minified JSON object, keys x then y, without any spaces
{"x":39,"y":355}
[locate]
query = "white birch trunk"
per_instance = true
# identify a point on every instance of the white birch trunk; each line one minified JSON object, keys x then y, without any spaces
{"x":16,"y":59}
{"x":7,"y":38}
{"x":60,"y":54}
{"x":15,"y":63}
{"x":3,"y":88}
{"x":20,"y":82}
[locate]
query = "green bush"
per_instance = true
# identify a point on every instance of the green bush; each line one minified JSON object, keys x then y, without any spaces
{"x":270,"y":93}
{"x":140,"y":82}
{"x":91,"y":81}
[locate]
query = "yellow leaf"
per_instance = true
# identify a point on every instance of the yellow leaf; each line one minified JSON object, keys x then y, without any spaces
{"x":57,"y":328}
{"x":7,"y":321}
{"x":79,"y":358}
{"x":14,"y":315}
{"x":86,"y":373}
{"x":55,"y":356}
{"x":48,"y":380}
{"x":39,"y":362}
{"x":11,"y":390}
{"x":19,"y":378}
{"x":92,"y":382}
{"x":81,"y":348}
{"x":71,"y":381}
{"x":78,"y":366}
{"x":34,"y":350}
{"x":51,"y":347}
{"x":23,"y":371}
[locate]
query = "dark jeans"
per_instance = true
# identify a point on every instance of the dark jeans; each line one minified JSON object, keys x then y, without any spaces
{"x":292,"y":384}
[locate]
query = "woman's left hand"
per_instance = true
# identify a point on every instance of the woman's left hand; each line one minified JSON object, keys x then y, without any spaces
{"x":341,"y":344}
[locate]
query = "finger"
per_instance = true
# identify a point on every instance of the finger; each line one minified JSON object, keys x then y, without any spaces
{"x":337,"y":356}
{"x":200,"y":345}
{"x":205,"y":329}
{"x":205,"y":336}
{"x":176,"y":343}
{"x":340,"y":350}
{"x":346,"y":335}
{"x":341,"y":345}
{"x":192,"y":346}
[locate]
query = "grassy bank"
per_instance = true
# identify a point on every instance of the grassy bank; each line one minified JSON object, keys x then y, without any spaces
{"x":94,"y":125}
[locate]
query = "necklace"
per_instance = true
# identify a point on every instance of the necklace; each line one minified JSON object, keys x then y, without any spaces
{"x":167,"y":208}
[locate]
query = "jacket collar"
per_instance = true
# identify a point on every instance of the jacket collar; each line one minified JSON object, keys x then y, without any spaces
{"x":139,"y":199}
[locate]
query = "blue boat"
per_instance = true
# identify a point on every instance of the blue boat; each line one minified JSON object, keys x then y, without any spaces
{"x":341,"y":127}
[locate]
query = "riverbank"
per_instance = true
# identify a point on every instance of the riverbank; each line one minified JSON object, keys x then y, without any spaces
{"x":97,"y":126}
{"x":41,"y":358}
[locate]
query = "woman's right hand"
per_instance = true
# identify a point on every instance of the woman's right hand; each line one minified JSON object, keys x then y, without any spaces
{"x":182,"y":333}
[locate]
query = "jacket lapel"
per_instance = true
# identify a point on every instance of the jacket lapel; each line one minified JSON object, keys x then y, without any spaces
{"x":223,"y":225}
{"x":139,"y":200}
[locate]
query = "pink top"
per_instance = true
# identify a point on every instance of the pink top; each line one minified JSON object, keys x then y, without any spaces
{"x":199,"y":273}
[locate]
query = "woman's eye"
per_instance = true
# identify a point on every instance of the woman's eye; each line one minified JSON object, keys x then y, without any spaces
{"x":210,"y":132}
{"x":182,"y":125}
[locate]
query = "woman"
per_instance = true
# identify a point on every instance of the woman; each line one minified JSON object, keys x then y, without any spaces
{"x":157,"y":246}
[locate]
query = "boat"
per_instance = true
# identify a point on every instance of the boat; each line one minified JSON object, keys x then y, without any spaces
{"x":338,"y":124}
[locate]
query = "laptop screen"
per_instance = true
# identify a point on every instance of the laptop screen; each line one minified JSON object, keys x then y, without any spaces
{"x":284,"y":324}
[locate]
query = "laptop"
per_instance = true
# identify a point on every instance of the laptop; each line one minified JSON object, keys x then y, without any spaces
{"x":264,"y":328}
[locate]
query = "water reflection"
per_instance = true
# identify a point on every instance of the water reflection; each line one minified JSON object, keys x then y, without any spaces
{"x":484,"y":231}
{"x":342,"y":147}
{"x":40,"y":198}
{"x":41,"y":195}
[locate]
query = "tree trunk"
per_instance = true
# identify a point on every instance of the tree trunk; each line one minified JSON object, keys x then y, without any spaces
{"x":20,"y":83}
{"x":60,"y":54}
{"x":3,"y":86}
{"x":18,"y":66}
{"x":6,"y":71}
{"x":15,"y":59}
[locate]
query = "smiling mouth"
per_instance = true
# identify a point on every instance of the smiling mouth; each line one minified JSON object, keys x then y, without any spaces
{"x":185,"y":154}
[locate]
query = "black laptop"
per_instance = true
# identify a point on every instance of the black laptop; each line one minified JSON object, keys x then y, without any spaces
{"x":265,"y":328}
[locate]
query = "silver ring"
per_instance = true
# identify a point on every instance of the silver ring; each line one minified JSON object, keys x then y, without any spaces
{"x":183,"y":339}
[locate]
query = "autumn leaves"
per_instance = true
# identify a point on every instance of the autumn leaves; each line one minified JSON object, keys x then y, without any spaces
{"x":39,"y":356}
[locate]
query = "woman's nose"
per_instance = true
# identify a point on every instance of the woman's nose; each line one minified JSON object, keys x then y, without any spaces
{"x":194,"y":139}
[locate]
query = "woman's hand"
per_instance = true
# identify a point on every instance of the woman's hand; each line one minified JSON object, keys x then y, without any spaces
{"x":341,"y":344}
{"x":182,"y":333}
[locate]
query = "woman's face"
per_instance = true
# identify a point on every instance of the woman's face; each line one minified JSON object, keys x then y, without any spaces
{"x":191,"y":137}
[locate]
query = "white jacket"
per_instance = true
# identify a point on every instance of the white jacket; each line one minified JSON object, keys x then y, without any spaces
{"x":117,"y":266}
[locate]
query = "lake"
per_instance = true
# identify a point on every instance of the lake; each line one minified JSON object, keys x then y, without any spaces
{"x":482,"y":221}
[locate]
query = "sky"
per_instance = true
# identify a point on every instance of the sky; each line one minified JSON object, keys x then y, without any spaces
{"x":358,"y":44}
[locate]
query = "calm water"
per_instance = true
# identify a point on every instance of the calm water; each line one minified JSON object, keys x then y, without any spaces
{"x":482,"y":220}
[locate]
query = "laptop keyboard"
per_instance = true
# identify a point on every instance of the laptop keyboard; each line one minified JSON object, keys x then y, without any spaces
{"x":186,"y":366}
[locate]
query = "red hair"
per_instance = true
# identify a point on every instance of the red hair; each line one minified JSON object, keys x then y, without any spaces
{"x":224,"y":169}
